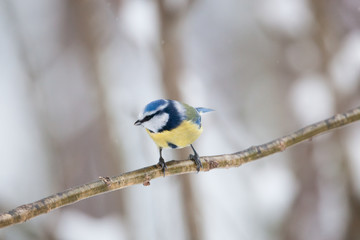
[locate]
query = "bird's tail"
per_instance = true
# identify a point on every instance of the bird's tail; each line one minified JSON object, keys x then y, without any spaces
{"x":202,"y":110}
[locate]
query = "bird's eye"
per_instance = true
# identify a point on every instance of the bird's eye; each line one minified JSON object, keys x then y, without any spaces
{"x":147,"y":118}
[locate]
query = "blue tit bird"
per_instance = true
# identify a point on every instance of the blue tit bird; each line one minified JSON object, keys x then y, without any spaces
{"x":172,"y":124}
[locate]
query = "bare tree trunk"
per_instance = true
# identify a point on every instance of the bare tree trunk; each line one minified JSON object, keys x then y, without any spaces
{"x":171,"y":23}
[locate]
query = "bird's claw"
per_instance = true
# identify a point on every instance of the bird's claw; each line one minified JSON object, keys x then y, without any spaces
{"x":162,"y":165}
{"x":197,"y":161}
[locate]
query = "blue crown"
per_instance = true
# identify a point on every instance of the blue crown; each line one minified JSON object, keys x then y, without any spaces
{"x":154,"y":105}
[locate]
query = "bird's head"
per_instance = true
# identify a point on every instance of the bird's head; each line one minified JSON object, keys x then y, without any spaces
{"x":154,"y":117}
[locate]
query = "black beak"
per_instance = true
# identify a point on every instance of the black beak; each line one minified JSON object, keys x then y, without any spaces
{"x":137,"y":123}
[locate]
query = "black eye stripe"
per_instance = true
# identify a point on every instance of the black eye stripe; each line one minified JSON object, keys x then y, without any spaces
{"x":147,"y":118}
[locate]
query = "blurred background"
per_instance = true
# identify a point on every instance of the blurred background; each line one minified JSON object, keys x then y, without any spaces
{"x":75,"y":74}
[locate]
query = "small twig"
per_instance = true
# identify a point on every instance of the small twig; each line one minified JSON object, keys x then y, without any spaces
{"x":144,"y":175}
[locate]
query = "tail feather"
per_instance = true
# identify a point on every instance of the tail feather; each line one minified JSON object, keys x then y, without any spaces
{"x":202,"y":110}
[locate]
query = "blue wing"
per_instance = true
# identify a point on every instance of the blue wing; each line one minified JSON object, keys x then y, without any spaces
{"x":202,"y":110}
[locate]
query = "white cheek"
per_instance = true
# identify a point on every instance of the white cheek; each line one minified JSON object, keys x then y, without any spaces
{"x":157,"y":122}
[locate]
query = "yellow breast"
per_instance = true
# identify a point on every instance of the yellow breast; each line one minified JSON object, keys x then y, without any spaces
{"x":185,"y":134}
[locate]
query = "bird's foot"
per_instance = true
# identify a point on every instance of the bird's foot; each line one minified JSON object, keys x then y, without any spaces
{"x":162,"y":164}
{"x":195,"y":157}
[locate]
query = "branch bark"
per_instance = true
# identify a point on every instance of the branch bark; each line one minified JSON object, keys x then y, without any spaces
{"x":174,"y":167}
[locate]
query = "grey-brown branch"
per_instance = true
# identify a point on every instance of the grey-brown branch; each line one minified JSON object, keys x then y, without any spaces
{"x":144,"y":175}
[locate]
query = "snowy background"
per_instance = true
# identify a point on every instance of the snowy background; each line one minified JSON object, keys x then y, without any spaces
{"x":75,"y":74}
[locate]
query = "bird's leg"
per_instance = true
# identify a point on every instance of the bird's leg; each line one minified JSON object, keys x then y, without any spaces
{"x":196,"y":159}
{"x":161,"y":162}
